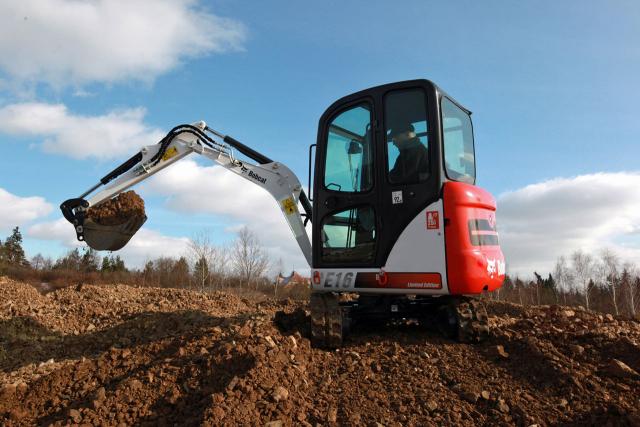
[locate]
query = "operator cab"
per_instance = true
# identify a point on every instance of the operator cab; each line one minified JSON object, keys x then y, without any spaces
{"x":383,"y":156}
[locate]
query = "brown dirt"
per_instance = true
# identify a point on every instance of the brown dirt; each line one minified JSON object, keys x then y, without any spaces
{"x":118,"y":210}
{"x":121,"y":355}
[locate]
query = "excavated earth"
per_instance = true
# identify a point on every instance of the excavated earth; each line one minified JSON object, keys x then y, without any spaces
{"x":117,"y":355}
{"x":118,"y":210}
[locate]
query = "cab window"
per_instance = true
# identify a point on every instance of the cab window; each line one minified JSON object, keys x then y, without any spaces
{"x":406,"y":133}
{"x":349,"y":158}
{"x":459,"y":158}
{"x":349,"y":236}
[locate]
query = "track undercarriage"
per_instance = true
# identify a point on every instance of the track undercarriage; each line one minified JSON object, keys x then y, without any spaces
{"x":461,"y":318}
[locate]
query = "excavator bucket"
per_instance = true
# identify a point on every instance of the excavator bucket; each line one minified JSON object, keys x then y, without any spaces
{"x":111,"y":226}
{"x":111,"y":237}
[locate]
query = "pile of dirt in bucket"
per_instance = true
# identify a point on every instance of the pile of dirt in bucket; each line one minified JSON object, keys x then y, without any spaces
{"x":118,"y":210}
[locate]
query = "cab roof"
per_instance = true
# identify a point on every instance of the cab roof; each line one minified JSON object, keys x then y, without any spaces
{"x":382,"y":89}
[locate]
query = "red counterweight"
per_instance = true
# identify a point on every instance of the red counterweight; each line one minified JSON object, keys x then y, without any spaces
{"x":475,"y":262}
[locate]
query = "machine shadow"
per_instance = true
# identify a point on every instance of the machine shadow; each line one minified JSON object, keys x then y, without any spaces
{"x":182,"y":401}
{"x":299,"y":321}
{"x":23,"y":340}
{"x":213,"y":375}
{"x":602,"y":417}
{"x":530,"y":366}
{"x":548,"y":362}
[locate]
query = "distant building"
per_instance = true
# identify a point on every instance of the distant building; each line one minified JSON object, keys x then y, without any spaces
{"x":293,"y":279}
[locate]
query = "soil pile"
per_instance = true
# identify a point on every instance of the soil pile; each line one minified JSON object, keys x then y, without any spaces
{"x":116,"y":354}
{"x":118,"y":210}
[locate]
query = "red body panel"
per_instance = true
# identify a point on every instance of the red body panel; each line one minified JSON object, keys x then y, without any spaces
{"x":399,"y":280}
{"x":474,"y":259}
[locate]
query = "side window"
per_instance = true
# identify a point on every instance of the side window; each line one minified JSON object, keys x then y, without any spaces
{"x":349,"y":159}
{"x":349,"y":236}
{"x":407,"y":139}
{"x":459,"y":159}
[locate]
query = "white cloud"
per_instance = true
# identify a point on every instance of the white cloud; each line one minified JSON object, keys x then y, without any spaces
{"x":17,"y":211}
{"x":149,"y":244}
{"x":540,"y":222}
{"x":117,"y":133}
{"x":196,"y":189}
{"x":71,"y":42}
{"x":60,"y":230}
{"x":144,"y":245}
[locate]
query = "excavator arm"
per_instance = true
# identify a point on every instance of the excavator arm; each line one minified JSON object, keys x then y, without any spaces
{"x":274,"y":177}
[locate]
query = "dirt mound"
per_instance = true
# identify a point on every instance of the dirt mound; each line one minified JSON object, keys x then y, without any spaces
{"x":118,"y":354}
{"x":118,"y":210}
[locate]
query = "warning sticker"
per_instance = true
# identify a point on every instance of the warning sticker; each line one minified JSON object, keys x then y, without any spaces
{"x":396,"y":197}
{"x":171,"y":152}
{"x":289,"y":206}
{"x":433,"y":220}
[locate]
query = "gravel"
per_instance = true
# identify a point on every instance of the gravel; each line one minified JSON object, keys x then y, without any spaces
{"x":121,"y":355}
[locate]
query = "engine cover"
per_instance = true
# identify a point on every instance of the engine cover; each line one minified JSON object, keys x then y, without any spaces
{"x":475,"y":262}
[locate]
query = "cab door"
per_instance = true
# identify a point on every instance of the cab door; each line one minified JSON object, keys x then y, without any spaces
{"x":345,"y":227}
{"x":409,"y":175}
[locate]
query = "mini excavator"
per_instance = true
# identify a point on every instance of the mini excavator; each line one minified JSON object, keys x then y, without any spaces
{"x":396,"y":216}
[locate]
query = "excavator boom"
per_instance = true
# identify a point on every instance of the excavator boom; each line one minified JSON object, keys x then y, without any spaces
{"x":276,"y":178}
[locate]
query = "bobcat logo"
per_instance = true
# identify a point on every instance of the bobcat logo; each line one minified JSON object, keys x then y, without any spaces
{"x":491,"y":267}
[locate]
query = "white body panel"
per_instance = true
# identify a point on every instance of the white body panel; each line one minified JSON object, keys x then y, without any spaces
{"x":421,"y":250}
{"x":417,"y":250}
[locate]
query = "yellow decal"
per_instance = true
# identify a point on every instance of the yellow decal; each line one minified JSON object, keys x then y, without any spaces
{"x":289,"y":206}
{"x":171,"y":152}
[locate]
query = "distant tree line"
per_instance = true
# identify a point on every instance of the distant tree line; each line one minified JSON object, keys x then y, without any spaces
{"x":602,"y":282}
{"x":205,"y":266}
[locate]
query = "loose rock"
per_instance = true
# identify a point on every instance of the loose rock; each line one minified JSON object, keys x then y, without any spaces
{"x":620,"y":369}
{"x":186,"y":358}
{"x":280,"y":393}
{"x":501,"y":352}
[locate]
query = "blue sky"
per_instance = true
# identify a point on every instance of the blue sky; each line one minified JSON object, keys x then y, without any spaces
{"x":552,"y":86}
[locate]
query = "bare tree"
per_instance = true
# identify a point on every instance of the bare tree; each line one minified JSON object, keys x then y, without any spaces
{"x":519,"y":284}
{"x":631,"y":273}
{"x":202,"y":254}
{"x":37,"y":262}
{"x":248,"y":258}
{"x":219,"y":264}
{"x":608,"y":273}
{"x":279,"y":273}
{"x":636,"y":286}
{"x":583,"y":270}
{"x":563,"y":276}
{"x":162,"y":270}
{"x":47,"y":264}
